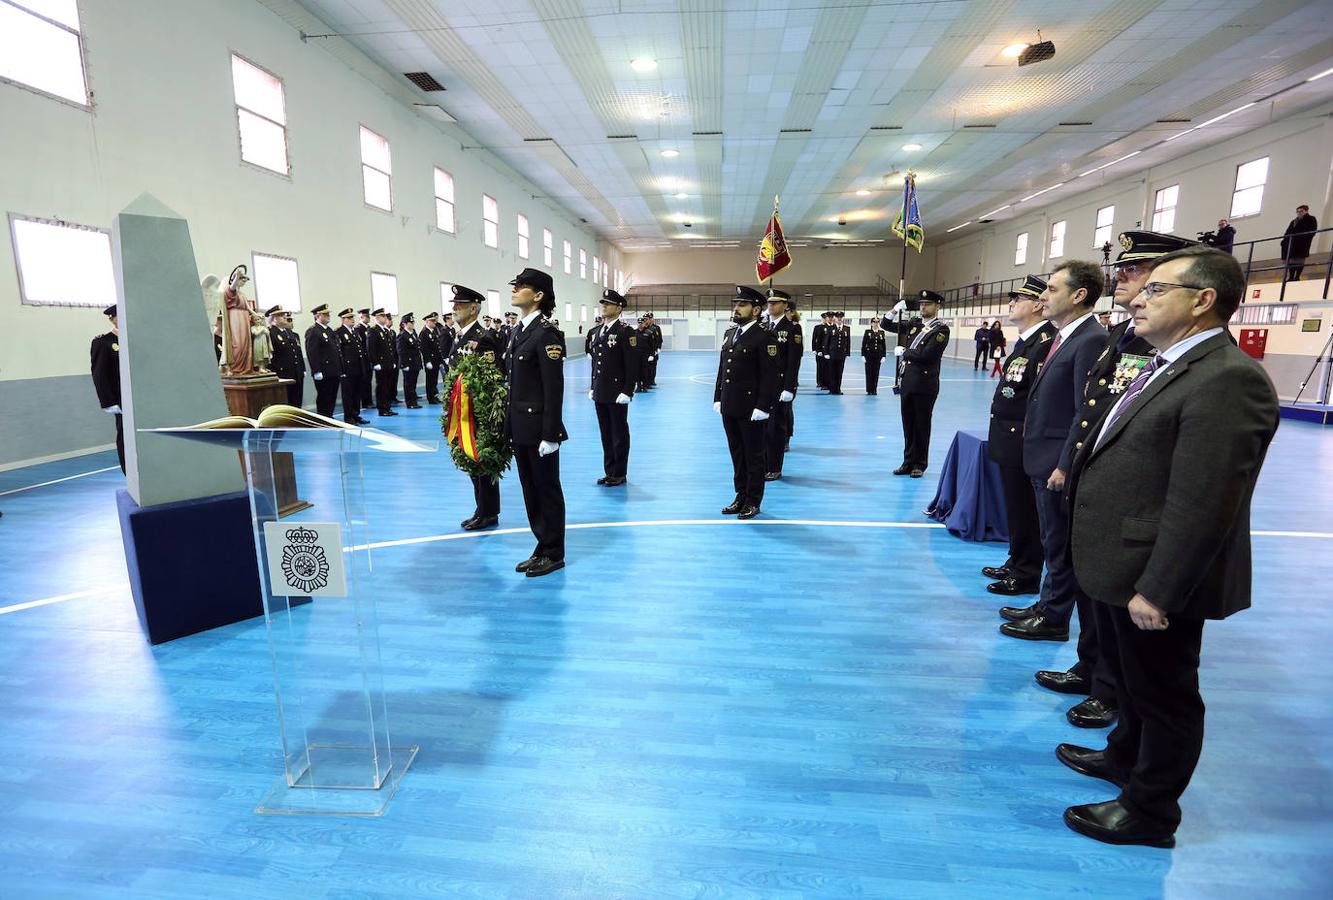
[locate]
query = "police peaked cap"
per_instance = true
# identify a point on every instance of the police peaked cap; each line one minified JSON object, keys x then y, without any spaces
{"x":430,"y":317}
{"x":322,"y":308}
{"x":346,"y":313}
{"x":408,"y":319}
{"x":1138,"y":245}
{"x":1032,"y":286}
{"x":364,"y":312}
{"x":466,"y":295}
{"x":538,"y":281}
{"x":379,"y":312}
{"x":747,"y":294}
{"x":775,"y":294}
{"x":610,"y":296}
{"x":110,"y":310}
{"x":932,"y":297}
{"x":273,"y":310}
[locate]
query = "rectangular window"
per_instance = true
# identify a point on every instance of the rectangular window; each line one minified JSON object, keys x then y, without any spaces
{"x":522,"y":236}
{"x":446,"y":297}
{"x":620,"y":282}
{"x":1057,"y":239}
{"x":1105,"y":225}
{"x":62,"y":264}
{"x":1248,"y":198}
{"x":1021,"y":249}
{"x":568,"y":258}
{"x":583,"y":264}
{"x":548,"y":247}
{"x":384,"y":292}
{"x":583,"y":312}
{"x":261,"y":116}
{"x":490,"y":221}
{"x":376,"y":171}
{"x":606,"y":282}
{"x":493,"y":304}
{"x":569,"y":312}
{"x":41,"y":48}
{"x":444,"y":201}
{"x":1164,"y":209}
{"x":596,"y":270}
{"x":276,"y":282}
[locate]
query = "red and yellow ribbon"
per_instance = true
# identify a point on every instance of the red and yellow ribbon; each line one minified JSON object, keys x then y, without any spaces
{"x":462,"y":425}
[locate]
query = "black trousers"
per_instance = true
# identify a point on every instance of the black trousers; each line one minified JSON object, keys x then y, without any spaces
{"x":393,"y":379}
{"x":649,"y":376}
{"x":917,"y":410}
{"x":410,"y":377}
{"x":351,"y":394}
{"x":432,"y":384}
{"x":872,"y":374}
{"x":777,"y":429}
{"x":613,"y":421}
{"x":296,"y":391}
{"x":1294,"y":268}
{"x":367,"y":387}
{"x":1025,"y":550}
{"x":834,"y":374}
{"x":1159,"y":734}
{"x":980,"y":357}
{"x":745,"y":440}
{"x":120,"y":441}
{"x":384,"y":389}
{"x":545,"y":501}
{"x":486,"y":494}
{"x":326,"y":394}
{"x":821,"y":370}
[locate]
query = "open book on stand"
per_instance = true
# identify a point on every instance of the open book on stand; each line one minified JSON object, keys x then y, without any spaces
{"x":279,"y":415}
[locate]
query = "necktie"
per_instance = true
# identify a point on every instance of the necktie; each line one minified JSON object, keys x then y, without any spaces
{"x":518,"y":333}
{"x":1124,"y":340}
{"x":1135,"y":388}
{"x":1055,"y":345}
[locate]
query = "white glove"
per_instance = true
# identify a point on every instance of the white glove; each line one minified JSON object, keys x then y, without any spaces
{"x":319,"y":376}
{"x":758,"y":415}
{"x":900,"y":306}
{"x":623,"y":399}
{"x":430,"y":365}
{"x":590,"y":395}
{"x":377,"y":368}
{"x":717,"y":406}
{"x":652,"y":358}
{"x":786,"y":396}
{"x":899,"y":351}
{"x":113,"y":409}
{"x":546,"y":448}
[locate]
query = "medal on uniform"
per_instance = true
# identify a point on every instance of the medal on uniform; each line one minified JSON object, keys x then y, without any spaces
{"x":1126,"y":370}
{"x":1007,"y":392}
{"x":1016,"y":369}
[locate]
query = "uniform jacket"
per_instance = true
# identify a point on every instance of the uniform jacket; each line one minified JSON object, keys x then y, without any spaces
{"x":874,"y":344}
{"x":838,"y":342}
{"x":1054,"y":400}
{"x":504,"y":332}
{"x":787,"y":334}
{"x":921,"y":363}
{"x":380,"y":349}
{"x":748,"y":372}
{"x":352,"y":350}
{"x":430,"y":345}
{"x":446,"y":337}
{"x":1103,"y":388}
{"x":653,"y":336}
{"x":536,"y":378}
{"x":1190,"y":446}
{"x":321,"y":351}
{"x":616,"y":354}
{"x":474,"y":340}
{"x":817,"y":336}
{"x":409,"y":350}
{"x":361,"y":330}
{"x":1009,"y":405}
{"x":288,"y":361}
{"x":104,"y":353}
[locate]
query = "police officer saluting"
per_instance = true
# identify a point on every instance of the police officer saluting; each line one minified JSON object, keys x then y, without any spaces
{"x":616,"y":355}
{"x":919,"y":383}
{"x":787,"y":334}
{"x":747,"y":386}
{"x":288,"y":361}
{"x":873,"y":350}
{"x":326,"y":365}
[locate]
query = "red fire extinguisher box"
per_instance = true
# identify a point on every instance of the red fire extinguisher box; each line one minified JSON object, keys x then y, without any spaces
{"x":1253,"y":341}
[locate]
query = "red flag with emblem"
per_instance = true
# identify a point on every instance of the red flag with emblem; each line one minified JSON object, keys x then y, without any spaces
{"x":774,"y":255}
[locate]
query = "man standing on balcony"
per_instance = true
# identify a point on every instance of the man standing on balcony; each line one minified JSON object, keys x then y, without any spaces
{"x":1296,"y":241}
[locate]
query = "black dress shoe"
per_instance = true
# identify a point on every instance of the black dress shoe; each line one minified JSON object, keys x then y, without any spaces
{"x":526,"y":564}
{"x":1092,"y":763}
{"x":917,"y":473}
{"x":904,"y":469}
{"x":361,"y":421}
{"x":1019,"y":613}
{"x":1064,"y":682}
{"x":1112,"y":823}
{"x":748,"y":513}
{"x":481,"y":522}
{"x":604,"y":479}
{"x":414,"y":406}
{"x":997,"y":573}
{"x":387,"y":412}
{"x":733,"y":507}
{"x":1012,"y":587}
{"x":543,"y":565}
{"x":614,"y":482}
{"x":1093,"y":713}
{"x":1036,"y":628}
{"x":466,"y":522}
{"x":772,"y":476}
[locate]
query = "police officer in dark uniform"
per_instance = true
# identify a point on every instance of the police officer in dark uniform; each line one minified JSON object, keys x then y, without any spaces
{"x":534,"y":421}
{"x":353,"y":354}
{"x":874,"y":347}
{"x":651,"y":335}
{"x":380,"y":355}
{"x":837,"y":347}
{"x":395,"y":375}
{"x":919,"y":384}
{"x":471,"y":339}
{"x":818,"y":339}
{"x":787,"y":334}
{"x":409,"y":358}
{"x":321,"y":351}
{"x":288,"y":360}
{"x":746,"y":389}
{"x":104,"y":359}
{"x":431,"y":357}
{"x":447,"y":337}
{"x":616,"y":351}
{"x":363,"y":325}
{"x":1021,"y":572}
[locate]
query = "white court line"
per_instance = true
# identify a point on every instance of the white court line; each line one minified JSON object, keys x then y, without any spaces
{"x":57,"y":481}
{"x":47,"y":601}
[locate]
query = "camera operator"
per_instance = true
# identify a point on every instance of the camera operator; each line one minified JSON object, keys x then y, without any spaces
{"x":1223,"y":239}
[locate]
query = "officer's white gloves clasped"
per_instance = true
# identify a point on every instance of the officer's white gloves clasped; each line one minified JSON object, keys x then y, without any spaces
{"x":786,"y":396}
{"x":319,"y":376}
{"x":717,"y":406}
{"x":758,"y":415}
{"x":546,"y":448}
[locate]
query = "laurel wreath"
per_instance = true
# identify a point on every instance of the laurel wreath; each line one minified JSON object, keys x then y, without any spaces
{"x":486,"y":386}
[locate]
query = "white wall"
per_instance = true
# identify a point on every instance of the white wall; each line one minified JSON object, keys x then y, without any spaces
{"x":164,"y":123}
{"x":839,"y":266}
{"x":1300,"y":152}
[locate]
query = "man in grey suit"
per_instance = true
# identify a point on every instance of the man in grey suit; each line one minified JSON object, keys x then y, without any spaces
{"x":1161,"y":535}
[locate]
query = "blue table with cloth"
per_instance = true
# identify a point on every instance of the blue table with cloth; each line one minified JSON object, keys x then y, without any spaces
{"x":970,"y":499}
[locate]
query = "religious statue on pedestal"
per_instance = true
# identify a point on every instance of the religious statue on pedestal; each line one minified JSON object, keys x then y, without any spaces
{"x":246,"y":346}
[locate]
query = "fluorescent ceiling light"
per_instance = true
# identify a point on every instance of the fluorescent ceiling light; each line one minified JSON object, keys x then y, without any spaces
{"x":1224,"y":115}
{"x":994,"y":211}
{"x":1320,"y":75}
{"x":682,"y":196}
{"x":1040,"y":192}
{"x":863,"y":193}
{"x":1111,"y":163}
{"x":911,"y":148}
{"x":956,"y":227}
{"x":1012,"y":51}
{"x":643,"y":64}
{"x":671,"y":154}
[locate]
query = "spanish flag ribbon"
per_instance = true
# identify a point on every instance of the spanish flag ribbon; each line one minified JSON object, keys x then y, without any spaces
{"x":462,"y":425}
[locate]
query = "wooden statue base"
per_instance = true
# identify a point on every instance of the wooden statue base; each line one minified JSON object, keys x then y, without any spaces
{"x":249,"y":398}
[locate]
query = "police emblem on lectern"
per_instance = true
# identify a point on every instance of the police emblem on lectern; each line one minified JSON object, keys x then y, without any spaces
{"x":305,"y":559}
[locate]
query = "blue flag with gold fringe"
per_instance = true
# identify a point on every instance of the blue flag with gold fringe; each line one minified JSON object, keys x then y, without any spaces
{"x":908,"y":223}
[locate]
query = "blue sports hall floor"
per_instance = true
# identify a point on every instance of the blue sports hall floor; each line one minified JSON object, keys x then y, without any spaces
{"x":816,"y":703}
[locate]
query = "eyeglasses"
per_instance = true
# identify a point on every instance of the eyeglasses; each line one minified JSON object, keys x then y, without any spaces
{"x":1129,"y":270}
{"x":1158,"y":288}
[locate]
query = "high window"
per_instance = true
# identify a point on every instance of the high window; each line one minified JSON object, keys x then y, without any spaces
{"x":583,"y":264}
{"x":444,"y":201}
{"x":41,"y":48}
{"x":548,"y":247}
{"x":1021,"y":249}
{"x":1248,"y":198}
{"x":376,"y":171}
{"x":1057,"y":248}
{"x":261,"y":116}
{"x":62,"y":264}
{"x":446,"y":297}
{"x":384,"y":292}
{"x":1105,"y":225}
{"x":490,"y":221}
{"x":493,"y":304}
{"x":522,"y":236}
{"x":1164,"y":209}
{"x":277,"y":282}
{"x":569,"y":265}
{"x":596,"y":270}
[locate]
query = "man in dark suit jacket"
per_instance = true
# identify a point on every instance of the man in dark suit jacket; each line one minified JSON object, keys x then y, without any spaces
{"x":921,"y":344}
{"x":744,"y":393}
{"x":104,"y":359}
{"x":1296,"y":241}
{"x":1021,"y":572}
{"x":534,"y":418}
{"x":1161,"y":535}
{"x":326,"y":367}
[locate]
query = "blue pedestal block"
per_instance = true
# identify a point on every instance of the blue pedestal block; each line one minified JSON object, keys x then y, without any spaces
{"x":191,"y":564}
